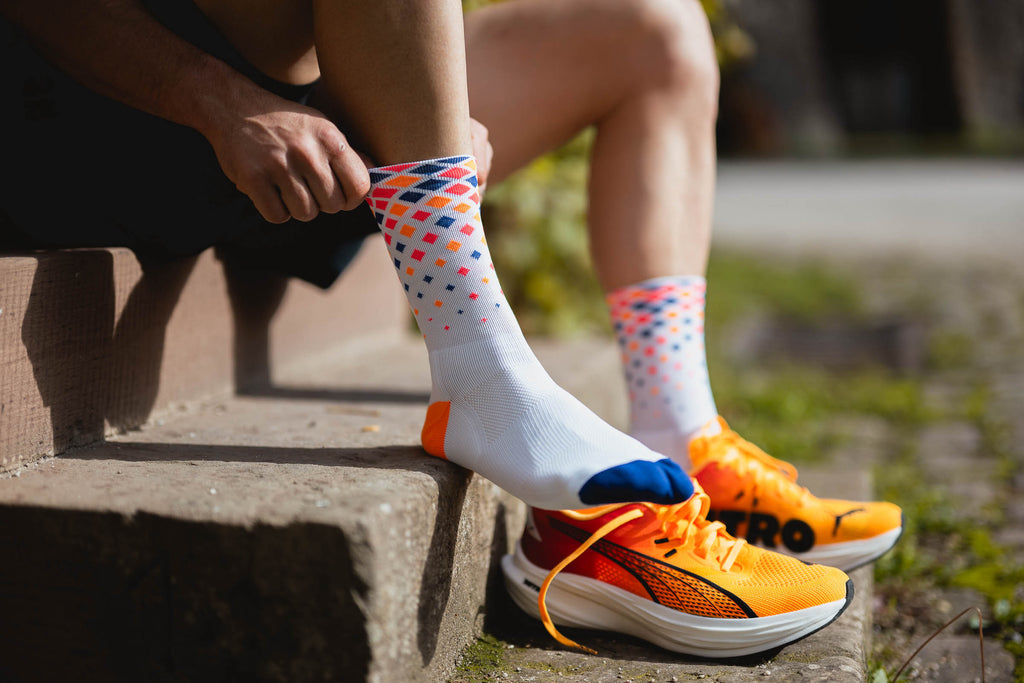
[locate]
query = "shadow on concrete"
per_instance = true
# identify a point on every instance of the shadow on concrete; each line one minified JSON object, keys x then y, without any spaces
{"x":89,"y":368}
{"x":411,"y":458}
{"x":340,"y":395}
{"x":451,"y":480}
{"x":95,"y":368}
{"x":163,"y":599}
{"x":255,"y":298}
{"x":436,"y":578}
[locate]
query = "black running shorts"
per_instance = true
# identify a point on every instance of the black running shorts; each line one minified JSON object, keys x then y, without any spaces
{"x":80,"y":170}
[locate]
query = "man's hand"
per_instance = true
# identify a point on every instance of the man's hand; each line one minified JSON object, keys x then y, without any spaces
{"x":483,"y":152}
{"x":290,"y":160}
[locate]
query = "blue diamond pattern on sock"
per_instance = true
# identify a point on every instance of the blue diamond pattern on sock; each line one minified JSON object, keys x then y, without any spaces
{"x":428,"y":169}
{"x":431,"y":184}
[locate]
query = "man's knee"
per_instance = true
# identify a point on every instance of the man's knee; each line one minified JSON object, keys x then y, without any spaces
{"x":679,"y":49}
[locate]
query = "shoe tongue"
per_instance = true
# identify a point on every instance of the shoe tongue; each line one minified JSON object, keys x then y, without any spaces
{"x":699,"y":450}
{"x":713,"y":427}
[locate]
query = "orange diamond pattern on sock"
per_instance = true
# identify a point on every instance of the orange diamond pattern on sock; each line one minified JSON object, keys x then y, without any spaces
{"x":437,"y":242}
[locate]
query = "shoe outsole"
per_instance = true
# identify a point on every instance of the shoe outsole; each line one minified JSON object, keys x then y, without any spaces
{"x":581,"y":602}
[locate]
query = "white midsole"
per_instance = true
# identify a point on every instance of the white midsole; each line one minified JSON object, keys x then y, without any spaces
{"x":578,"y":601}
{"x":849,"y":555}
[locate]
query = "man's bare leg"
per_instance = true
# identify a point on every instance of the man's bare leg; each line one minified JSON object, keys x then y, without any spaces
{"x":644,"y":73}
{"x":397,"y":71}
{"x":394,"y":75}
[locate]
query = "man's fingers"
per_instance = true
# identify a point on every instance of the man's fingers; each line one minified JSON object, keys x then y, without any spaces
{"x":297,"y":198}
{"x":482,"y":149}
{"x":268,"y":202}
{"x":351,"y":172}
{"x":326,"y":188}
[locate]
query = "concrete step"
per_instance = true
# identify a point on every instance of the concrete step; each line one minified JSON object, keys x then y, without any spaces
{"x":302,"y":535}
{"x":299,"y":536}
{"x":836,"y":653}
{"x":92,"y":345}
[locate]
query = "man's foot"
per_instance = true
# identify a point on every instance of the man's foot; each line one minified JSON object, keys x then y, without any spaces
{"x":757,"y":498}
{"x":668,"y":575}
{"x":493,"y":408}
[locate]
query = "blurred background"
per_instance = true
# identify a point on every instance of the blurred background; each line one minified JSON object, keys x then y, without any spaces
{"x":821,"y":78}
{"x":865,"y":289}
{"x":846,"y":98}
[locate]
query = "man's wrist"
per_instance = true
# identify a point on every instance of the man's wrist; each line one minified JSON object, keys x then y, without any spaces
{"x":212,"y":97}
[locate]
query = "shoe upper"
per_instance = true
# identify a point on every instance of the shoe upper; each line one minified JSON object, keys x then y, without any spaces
{"x":757,"y":497}
{"x":675,"y":557}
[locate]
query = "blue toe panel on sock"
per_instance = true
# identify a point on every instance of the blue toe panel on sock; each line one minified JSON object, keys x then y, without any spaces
{"x":662,"y":482}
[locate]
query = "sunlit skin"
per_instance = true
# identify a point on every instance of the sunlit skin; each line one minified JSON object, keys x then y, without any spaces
{"x":532,"y":72}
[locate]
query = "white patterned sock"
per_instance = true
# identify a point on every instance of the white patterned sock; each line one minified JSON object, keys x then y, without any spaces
{"x":493,"y":408}
{"x":659,"y":324}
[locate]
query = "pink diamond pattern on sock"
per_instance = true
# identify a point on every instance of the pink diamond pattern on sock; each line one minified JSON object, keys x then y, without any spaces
{"x":659,"y":324}
{"x":429,"y":213}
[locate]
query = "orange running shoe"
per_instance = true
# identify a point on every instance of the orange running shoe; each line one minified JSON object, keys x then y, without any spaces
{"x":758,"y":499}
{"x":669,"y":576}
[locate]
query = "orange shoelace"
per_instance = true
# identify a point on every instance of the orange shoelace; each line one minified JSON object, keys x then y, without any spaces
{"x":743,"y":457}
{"x":686,"y":523}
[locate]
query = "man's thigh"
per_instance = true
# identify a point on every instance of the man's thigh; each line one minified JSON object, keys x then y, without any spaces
{"x":540,"y":71}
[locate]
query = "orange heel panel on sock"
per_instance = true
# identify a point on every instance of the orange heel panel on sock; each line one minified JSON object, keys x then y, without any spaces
{"x":434,"y":428}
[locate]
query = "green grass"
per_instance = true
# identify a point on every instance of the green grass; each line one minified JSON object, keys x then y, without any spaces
{"x":742,"y":284}
{"x":941,"y":549}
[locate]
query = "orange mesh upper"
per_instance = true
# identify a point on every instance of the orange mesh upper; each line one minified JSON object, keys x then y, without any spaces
{"x":742,"y":480}
{"x":673,"y":556}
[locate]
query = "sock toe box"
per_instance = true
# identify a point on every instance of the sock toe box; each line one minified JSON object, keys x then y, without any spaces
{"x":661,"y":481}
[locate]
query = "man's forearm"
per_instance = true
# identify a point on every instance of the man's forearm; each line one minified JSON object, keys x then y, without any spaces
{"x":288,"y":158}
{"x":116,"y":48}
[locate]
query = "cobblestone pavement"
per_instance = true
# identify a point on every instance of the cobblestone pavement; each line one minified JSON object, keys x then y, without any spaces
{"x":969,"y":455}
{"x":939,"y":244}
{"x":935,"y":246}
{"x":965,"y":454}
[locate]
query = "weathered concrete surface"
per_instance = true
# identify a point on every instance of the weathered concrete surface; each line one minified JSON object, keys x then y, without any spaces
{"x":92,"y":344}
{"x":303,"y":536}
{"x":836,"y":653}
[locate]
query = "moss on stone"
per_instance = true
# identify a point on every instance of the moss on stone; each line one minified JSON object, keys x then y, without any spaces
{"x":479,"y":659}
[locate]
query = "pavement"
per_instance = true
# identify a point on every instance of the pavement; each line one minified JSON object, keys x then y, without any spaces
{"x":937,"y":242}
{"x":933,"y":210}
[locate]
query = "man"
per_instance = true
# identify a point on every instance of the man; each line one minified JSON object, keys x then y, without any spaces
{"x":170,"y":127}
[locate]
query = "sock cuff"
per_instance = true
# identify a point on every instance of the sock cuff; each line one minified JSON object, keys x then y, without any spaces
{"x":671,"y":289}
{"x":424,"y":167}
